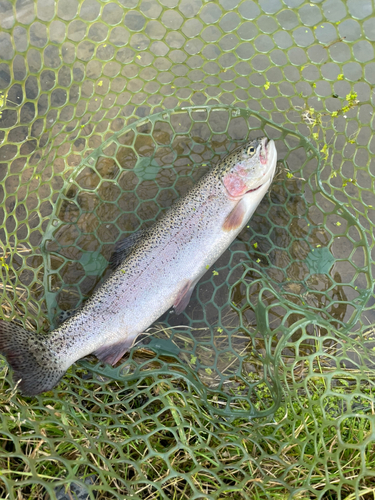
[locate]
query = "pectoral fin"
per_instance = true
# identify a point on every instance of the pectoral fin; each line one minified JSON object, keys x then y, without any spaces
{"x":124,"y":247}
{"x":183,"y":297}
{"x":235,"y":218}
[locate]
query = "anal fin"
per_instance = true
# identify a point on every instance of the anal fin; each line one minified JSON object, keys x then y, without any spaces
{"x":235,"y":218}
{"x":183,"y":297}
{"x":113,"y":352}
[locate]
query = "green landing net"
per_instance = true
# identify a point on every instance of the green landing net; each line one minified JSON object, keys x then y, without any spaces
{"x":110,"y":111}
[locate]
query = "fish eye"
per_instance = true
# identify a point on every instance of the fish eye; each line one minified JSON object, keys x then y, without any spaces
{"x":250,"y":150}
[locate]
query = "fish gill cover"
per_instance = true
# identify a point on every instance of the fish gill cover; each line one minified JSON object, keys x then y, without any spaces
{"x":110,"y":111}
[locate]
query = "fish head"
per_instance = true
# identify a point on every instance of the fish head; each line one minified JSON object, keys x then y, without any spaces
{"x":249,"y":168}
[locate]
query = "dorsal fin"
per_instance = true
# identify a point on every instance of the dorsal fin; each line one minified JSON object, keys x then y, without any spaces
{"x":124,"y":247}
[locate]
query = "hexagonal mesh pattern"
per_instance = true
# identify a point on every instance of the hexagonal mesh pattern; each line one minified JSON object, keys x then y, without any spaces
{"x":110,"y":111}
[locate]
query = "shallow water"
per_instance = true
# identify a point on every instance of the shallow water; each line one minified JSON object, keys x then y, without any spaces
{"x":296,"y":257}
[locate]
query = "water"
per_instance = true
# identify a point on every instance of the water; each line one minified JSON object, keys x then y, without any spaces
{"x":140,"y":172}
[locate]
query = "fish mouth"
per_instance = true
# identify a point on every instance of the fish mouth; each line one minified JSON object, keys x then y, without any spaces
{"x":267,"y":156}
{"x":254,"y":174}
{"x":263,"y":150}
{"x":255,"y":189}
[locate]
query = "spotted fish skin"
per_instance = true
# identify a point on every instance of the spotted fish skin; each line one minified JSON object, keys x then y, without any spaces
{"x":159,"y":271}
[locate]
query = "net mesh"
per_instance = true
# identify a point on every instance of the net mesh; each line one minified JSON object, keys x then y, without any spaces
{"x":110,"y":111}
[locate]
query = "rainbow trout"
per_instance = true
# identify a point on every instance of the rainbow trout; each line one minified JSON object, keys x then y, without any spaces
{"x":154,"y":270}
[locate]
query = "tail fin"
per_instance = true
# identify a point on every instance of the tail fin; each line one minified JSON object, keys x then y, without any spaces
{"x":34,"y":364}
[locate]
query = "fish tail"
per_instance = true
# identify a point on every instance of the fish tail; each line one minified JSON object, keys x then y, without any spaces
{"x":35,"y":367}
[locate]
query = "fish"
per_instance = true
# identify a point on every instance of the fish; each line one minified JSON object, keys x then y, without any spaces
{"x":154,"y":270}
